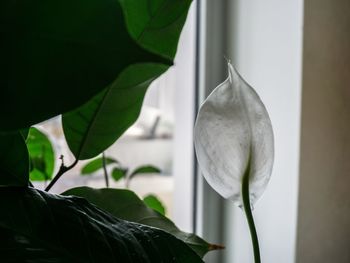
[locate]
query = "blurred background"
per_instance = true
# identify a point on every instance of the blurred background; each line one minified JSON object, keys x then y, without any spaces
{"x":296,"y":54}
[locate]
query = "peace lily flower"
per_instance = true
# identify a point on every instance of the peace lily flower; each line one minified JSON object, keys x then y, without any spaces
{"x":233,"y":135}
{"x":234,"y":145}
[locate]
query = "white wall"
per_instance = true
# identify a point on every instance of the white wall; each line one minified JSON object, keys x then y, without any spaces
{"x":184,"y":95}
{"x":265,"y":44}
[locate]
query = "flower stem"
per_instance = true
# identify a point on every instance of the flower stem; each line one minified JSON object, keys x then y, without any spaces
{"x":249,"y":216}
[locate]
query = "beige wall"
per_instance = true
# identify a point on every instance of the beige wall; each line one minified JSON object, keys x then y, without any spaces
{"x":324,"y":195}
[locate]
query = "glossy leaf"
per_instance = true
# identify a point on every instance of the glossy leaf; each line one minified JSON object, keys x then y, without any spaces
{"x":118,"y":173}
{"x":57,"y":54}
{"x":153,"y":202}
{"x":42,"y":155}
{"x":126,"y":205}
{"x":95,"y":126}
{"x":232,"y":135}
{"x":156,"y":25}
{"x":42,"y":227}
{"x":96,"y":165}
{"x":14,"y":160}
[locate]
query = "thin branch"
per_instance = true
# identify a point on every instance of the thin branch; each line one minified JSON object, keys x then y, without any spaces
{"x":105,"y":169}
{"x":63,"y":169}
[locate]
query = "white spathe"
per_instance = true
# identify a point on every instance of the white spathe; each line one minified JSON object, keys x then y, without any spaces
{"x":232,"y":127}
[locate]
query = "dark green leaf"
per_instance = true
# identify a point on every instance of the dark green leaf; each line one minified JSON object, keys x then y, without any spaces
{"x":146,"y":169}
{"x":96,"y":165}
{"x":17,"y":248}
{"x":57,"y":54}
{"x":126,"y":205}
{"x":42,"y":155}
{"x":118,"y":173}
{"x":153,"y":202}
{"x":14,"y":160}
{"x":156,"y":25}
{"x":25,"y":133}
{"x":92,"y":128}
{"x":42,"y":227}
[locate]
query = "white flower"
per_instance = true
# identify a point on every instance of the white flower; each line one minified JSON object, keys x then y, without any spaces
{"x":233,"y":130}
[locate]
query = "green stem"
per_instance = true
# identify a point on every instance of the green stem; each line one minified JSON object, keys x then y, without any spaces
{"x":105,"y":169}
{"x":249,"y":215}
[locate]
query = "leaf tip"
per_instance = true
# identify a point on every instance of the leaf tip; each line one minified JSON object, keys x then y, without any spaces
{"x":215,"y":247}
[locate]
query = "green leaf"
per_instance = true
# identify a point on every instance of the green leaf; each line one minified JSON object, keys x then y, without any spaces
{"x":42,"y":155}
{"x":25,"y":133}
{"x":92,"y":128}
{"x":119,"y":173}
{"x":126,"y":205}
{"x":153,"y":202}
{"x":96,"y":125}
{"x":150,"y":21}
{"x":43,"y":227}
{"x":96,"y":165}
{"x":57,"y":54}
{"x":38,"y":169}
{"x":146,"y":169}
{"x":14,"y":160}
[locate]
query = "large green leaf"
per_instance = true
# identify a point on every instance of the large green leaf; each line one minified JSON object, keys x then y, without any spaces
{"x":92,"y":128}
{"x":57,"y":54}
{"x":41,"y":154}
{"x":126,"y":205}
{"x":14,"y":160}
{"x":42,"y":227}
{"x":156,"y":25}
{"x":96,"y":165}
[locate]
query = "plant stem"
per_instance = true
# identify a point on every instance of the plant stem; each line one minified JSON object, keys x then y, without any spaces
{"x":60,"y":172}
{"x":105,"y":169}
{"x":249,"y":215}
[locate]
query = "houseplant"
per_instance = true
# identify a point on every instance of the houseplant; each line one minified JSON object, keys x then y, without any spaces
{"x":91,"y":61}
